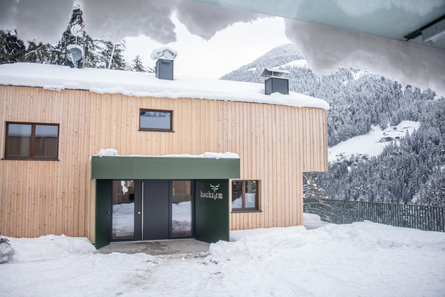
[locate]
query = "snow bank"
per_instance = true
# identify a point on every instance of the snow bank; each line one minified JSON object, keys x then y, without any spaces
{"x":360,"y":259}
{"x":312,"y":221}
{"x":139,"y":84}
{"x":373,"y":143}
{"x":49,"y":247}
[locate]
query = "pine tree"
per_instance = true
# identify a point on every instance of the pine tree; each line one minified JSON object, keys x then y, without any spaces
{"x":40,"y":53}
{"x":111,"y":52}
{"x":84,"y":40}
{"x":138,"y":65}
{"x":12,"y":49}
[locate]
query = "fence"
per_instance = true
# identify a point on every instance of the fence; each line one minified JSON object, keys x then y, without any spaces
{"x":430,"y":218}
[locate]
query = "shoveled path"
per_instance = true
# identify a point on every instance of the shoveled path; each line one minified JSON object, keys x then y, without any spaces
{"x":158,"y":247}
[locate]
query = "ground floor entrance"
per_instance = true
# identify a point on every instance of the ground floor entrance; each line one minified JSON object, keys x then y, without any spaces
{"x":152,"y":209}
{"x":157,"y":198}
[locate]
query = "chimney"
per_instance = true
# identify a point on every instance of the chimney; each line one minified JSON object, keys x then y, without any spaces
{"x":276,"y":81}
{"x":164,"y":57}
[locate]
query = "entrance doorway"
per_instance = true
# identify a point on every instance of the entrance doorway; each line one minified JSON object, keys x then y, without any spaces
{"x":152,"y":209}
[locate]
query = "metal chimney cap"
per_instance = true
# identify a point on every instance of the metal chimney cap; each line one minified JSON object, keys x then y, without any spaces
{"x":164,"y":52}
{"x":275,"y":72}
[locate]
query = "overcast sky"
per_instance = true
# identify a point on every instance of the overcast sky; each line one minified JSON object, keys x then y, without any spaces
{"x":227,"y":50}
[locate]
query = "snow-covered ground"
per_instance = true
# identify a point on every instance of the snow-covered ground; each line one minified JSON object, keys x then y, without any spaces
{"x":360,"y":259}
{"x":373,"y":143}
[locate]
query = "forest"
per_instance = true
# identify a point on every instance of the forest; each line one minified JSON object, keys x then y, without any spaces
{"x":409,"y":171}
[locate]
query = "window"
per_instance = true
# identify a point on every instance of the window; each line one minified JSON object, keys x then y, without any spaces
{"x":155,"y":120}
{"x":245,"y":195}
{"x":31,"y":141}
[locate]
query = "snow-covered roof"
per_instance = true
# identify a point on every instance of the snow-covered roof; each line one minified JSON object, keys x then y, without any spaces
{"x":142,"y":84}
{"x":163,"y":53}
{"x":275,"y":72}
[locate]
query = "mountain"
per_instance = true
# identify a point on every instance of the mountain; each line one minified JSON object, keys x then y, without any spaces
{"x":408,"y":167}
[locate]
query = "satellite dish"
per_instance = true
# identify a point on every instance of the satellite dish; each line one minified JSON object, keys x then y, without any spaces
{"x":74,"y":55}
{"x":77,"y":30}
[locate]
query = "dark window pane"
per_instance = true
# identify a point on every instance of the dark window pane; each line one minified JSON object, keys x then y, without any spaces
{"x":237,"y":194}
{"x":18,"y":143}
{"x":250,"y":192}
{"x":155,"y":120}
{"x":46,"y":138}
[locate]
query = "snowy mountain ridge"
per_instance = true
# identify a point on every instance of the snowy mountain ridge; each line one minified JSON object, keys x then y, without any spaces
{"x":402,"y":166}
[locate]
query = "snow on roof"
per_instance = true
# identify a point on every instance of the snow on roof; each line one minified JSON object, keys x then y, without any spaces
{"x":274,"y":71}
{"x":143,"y":84}
{"x":163,"y":53}
{"x":111,"y":152}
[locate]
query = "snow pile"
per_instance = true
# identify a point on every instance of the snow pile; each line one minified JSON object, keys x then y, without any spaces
{"x":312,"y":221}
{"x":107,"y":152}
{"x":373,"y":143}
{"x":140,"y":84}
{"x":49,"y":247}
{"x":360,"y":259}
{"x":6,"y":251}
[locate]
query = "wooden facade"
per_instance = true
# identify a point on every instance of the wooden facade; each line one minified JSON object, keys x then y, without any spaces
{"x":276,"y":144}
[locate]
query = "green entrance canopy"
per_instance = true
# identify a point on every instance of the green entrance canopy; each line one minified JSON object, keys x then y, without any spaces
{"x":211,"y":177}
{"x":148,"y":167}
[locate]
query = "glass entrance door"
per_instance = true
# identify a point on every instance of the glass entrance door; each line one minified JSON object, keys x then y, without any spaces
{"x":123,"y":210}
{"x":152,"y":209}
{"x":181,"y":209}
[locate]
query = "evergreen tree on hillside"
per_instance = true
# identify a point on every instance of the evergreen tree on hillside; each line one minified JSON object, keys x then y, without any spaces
{"x":43,"y":53}
{"x":111,"y":53}
{"x":12,"y":49}
{"x":138,"y":66}
{"x":412,"y":171}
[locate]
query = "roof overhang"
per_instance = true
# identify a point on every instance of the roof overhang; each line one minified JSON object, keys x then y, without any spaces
{"x":152,"y":167}
{"x":402,"y":20}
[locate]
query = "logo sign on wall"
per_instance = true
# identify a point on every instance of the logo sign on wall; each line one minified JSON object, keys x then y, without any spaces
{"x":213,"y":194}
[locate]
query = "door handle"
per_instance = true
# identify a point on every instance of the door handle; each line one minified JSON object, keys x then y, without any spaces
{"x":139,"y":212}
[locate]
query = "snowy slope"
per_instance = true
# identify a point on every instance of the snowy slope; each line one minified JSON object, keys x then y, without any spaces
{"x":373,"y":143}
{"x":360,"y":259}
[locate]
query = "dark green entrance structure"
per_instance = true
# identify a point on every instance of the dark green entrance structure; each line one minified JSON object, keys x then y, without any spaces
{"x":211,"y":176}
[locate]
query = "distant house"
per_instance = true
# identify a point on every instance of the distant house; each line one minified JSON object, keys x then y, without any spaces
{"x":156,"y":180}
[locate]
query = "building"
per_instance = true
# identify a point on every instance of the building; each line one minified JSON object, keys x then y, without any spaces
{"x":161,"y":184}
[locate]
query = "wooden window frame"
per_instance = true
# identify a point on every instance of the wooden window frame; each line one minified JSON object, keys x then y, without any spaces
{"x":156,"y":129}
{"x":32,"y":144}
{"x":243,"y":197}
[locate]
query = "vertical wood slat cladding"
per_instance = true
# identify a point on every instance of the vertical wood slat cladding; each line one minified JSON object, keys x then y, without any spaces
{"x":275,"y":144}
{"x":46,"y":197}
